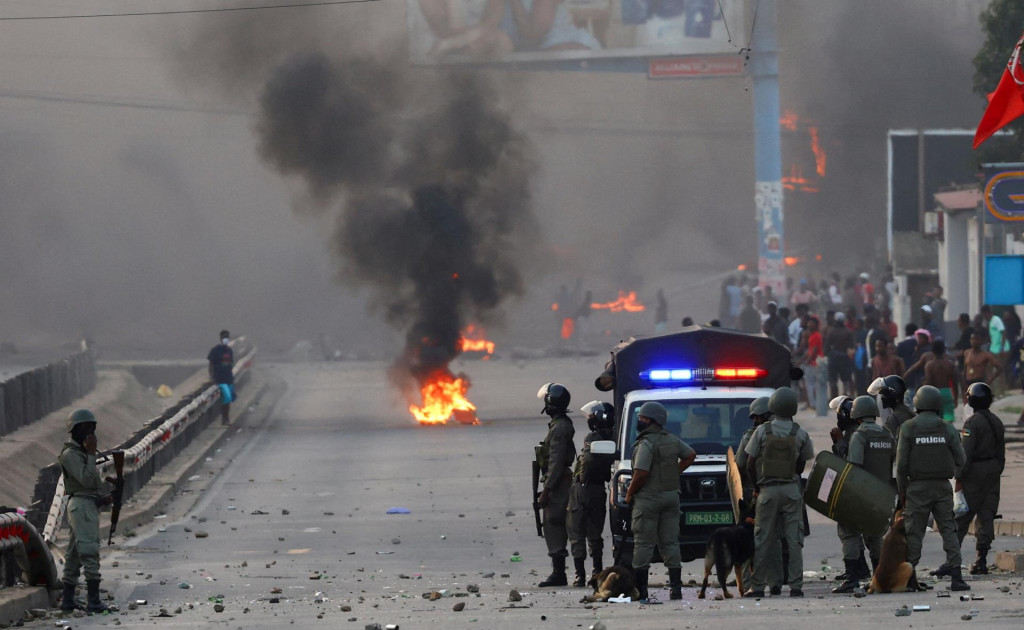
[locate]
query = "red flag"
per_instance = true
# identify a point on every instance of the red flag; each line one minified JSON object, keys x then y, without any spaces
{"x":1006,"y":104}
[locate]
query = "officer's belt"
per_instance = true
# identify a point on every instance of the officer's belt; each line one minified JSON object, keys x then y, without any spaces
{"x":94,"y":497}
{"x":777,"y":482}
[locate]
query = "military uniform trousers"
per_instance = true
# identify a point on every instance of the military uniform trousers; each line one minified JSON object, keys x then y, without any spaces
{"x":854,"y":543}
{"x":656,"y":522}
{"x":84,"y":544}
{"x":981,"y":490}
{"x":932,"y":497}
{"x":587,"y":508}
{"x":779,"y":518}
{"x":556,"y":534}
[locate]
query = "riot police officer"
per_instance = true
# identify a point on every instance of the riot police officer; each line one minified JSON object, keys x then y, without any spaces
{"x":658,"y":459}
{"x":840,"y":435}
{"x":587,"y":497}
{"x":759,"y":414}
{"x":892,"y":389}
{"x":872,"y":448}
{"x":83,"y":486}
{"x":778,"y":452}
{"x":555,"y":455}
{"x":985,"y":457}
{"x":928,"y":454}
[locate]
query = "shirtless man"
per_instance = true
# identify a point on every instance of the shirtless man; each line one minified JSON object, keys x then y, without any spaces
{"x":941,"y":372}
{"x":978,"y":360}
{"x":885,"y":362}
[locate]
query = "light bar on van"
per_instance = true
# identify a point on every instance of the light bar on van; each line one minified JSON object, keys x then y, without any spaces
{"x":689,"y":375}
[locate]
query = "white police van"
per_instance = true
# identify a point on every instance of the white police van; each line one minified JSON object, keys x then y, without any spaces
{"x":706,"y":378}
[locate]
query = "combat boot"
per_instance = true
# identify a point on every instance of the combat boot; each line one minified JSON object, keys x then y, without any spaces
{"x":598,"y":564}
{"x":67,"y":599}
{"x":980,"y":566}
{"x":956,"y":582}
{"x":581,"y":572}
{"x":640,"y":580}
{"x":675,"y":584}
{"x":93,"y":604}
{"x":851,"y":582}
{"x":557,"y":577}
{"x":943,"y":571}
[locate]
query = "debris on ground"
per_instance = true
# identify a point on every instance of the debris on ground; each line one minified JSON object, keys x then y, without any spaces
{"x":903,"y":612}
{"x":514,"y":596}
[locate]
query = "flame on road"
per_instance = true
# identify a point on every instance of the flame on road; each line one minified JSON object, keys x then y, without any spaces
{"x":474,"y":340}
{"x":444,"y":397}
{"x":568,"y":328}
{"x":625,"y":302}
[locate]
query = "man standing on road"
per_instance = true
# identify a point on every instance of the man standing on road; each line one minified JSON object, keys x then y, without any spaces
{"x":658,"y":459}
{"x":978,"y":361}
{"x":82,"y":484}
{"x":985,"y":455}
{"x":587,"y":498}
{"x":221,"y":361}
{"x":927,"y":457}
{"x":839,"y":348}
{"x":777,"y":454}
{"x":885,"y":363}
{"x":939,"y":372}
{"x":872,"y":448}
{"x":759,"y":414}
{"x":555,"y":455}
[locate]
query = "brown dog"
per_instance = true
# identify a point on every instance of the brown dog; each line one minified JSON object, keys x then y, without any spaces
{"x":611,"y":582}
{"x":728,"y":549}
{"x":893,"y":573}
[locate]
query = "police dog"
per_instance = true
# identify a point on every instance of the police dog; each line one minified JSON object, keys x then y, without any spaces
{"x":729,"y":548}
{"x":893,"y":573}
{"x":611,"y":582}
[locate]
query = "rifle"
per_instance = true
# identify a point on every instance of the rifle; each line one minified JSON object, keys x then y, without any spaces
{"x":536,"y":495}
{"x":117,"y":494}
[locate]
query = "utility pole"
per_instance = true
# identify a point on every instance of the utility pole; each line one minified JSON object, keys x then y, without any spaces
{"x":764,"y":68}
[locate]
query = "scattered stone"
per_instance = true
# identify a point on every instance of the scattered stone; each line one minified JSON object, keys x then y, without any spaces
{"x":314,"y":576}
{"x":462,"y":516}
{"x":133,"y":606}
{"x":396,"y":541}
{"x":473,"y":588}
{"x":78,"y":614}
{"x":489,"y":574}
{"x":163,"y":613}
{"x":218,"y":608}
{"x":115,"y":563}
{"x":274,"y":600}
{"x":328,"y":513}
{"x":275,"y":591}
{"x":202,"y":519}
{"x":510,"y":513}
{"x":903,"y":612}
{"x":257,"y":512}
{"x":346,"y":608}
{"x":188,"y":530}
{"x":184,"y":585}
{"x":967,"y":617}
{"x":39,"y":613}
{"x":506,"y":575}
{"x":177,"y":611}
{"x":599,"y":626}
{"x":373,"y":626}
{"x":244,"y":564}
{"x":859,"y":592}
{"x":514,"y":596}
{"x":285,"y":512}
{"x":459,"y":607}
{"x":1004,"y":589}
{"x":403,"y":576}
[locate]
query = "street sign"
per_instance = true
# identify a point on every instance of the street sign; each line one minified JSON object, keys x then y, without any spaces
{"x":1004,"y":279}
{"x":1004,"y":198}
{"x":690,"y":67}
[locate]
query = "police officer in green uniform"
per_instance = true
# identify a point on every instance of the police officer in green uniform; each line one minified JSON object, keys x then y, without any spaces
{"x":759,"y":414}
{"x":873,"y":448}
{"x":985,"y":457}
{"x":840,"y":435}
{"x":587,"y":497}
{"x":84,"y":488}
{"x":555,"y":455}
{"x":928,"y":454}
{"x":658,"y":459}
{"x":777,"y":454}
{"x":891,"y":389}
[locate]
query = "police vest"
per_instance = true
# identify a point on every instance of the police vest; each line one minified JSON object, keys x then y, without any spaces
{"x":930,"y":455}
{"x":665,"y":450}
{"x":778,"y":455}
{"x":593,"y":467}
{"x":878,"y":451}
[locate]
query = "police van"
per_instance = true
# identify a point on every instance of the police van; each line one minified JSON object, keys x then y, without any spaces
{"x":706,"y":378}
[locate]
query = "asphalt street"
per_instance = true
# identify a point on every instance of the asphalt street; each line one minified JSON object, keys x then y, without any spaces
{"x":288,"y":525}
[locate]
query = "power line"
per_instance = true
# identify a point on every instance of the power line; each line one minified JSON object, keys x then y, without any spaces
{"x":322,"y":3}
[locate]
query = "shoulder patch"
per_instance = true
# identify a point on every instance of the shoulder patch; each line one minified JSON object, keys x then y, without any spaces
{"x":966,"y":432}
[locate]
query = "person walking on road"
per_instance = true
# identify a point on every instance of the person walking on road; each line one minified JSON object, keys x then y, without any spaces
{"x":221,"y":360}
{"x":84,"y":489}
{"x":658,"y":459}
{"x":777,"y":454}
{"x":587,"y":498}
{"x":927,"y":456}
{"x":985,"y":457}
{"x":554,"y":455}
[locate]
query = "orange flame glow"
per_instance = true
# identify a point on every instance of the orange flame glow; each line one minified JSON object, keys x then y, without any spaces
{"x":796,"y":180}
{"x":625,"y":302}
{"x":788,"y":120}
{"x":444,"y":397}
{"x":820,"y":159}
{"x":473,"y":340}
{"x":791,"y":260}
{"x":568,"y":328}
{"x":554,"y":306}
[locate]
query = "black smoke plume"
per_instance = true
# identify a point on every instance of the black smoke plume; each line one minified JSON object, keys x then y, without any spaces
{"x":428,"y":183}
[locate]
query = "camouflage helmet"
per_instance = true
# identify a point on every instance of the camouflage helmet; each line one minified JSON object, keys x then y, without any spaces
{"x":864,"y":407}
{"x":759,"y":406}
{"x":783,"y":403}
{"x":928,"y":398}
{"x":80,"y":416}
{"x":655,"y":411}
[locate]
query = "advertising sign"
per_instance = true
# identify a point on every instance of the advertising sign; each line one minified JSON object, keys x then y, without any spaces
{"x":1004,"y":279}
{"x":516,"y":31}
{"x":771,"y":266}
{"x":685,"y":67}
{"x":1004,"y":197}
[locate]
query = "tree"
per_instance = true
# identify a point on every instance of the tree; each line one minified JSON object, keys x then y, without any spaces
{"x":1002,"y":21}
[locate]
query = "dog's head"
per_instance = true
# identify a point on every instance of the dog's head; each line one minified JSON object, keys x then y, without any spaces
{"x":748,"y":511}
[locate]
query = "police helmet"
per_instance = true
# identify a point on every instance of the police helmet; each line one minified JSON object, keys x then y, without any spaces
{"x":783,"y":403}
{"x":759,"y":407}
{"x":80,"y":416}
{"x":555,"y":397}
{"x":600,"y":415}
{"x":841,"y":405}
{"x":891,"y":388}
{"x":979,"y":396}
{"x":655,"y":411}
{"x":864,"y":407}
{"x":928,"y":398}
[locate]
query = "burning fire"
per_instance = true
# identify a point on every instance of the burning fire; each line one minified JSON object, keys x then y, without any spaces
{"x":796,"y":180}
{"x":625,"y":302}
{"x":473,"y":340}
{"x":568,"y":328}
{"x":444,"y":397}
{"x":789,"y":121}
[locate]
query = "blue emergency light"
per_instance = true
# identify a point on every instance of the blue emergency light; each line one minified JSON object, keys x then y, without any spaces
{"x":665,"y":376}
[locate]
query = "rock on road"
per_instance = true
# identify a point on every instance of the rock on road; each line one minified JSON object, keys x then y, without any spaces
{"x":294,"y":509}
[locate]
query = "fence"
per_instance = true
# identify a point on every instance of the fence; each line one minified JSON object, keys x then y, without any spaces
{"x":31,"y":395}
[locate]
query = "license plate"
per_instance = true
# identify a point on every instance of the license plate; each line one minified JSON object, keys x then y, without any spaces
{"x":709,"y":518}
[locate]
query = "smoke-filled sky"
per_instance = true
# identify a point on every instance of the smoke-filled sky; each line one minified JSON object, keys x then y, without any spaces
{"x":140,"y":205}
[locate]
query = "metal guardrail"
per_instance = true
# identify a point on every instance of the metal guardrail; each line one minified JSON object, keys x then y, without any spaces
{"x":20,"y":541}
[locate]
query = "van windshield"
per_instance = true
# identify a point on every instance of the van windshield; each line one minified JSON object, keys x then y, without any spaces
{"x":708,"y":426}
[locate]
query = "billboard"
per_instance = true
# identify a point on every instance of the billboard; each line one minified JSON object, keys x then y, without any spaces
{"x":1004,"y":195}
{"x":524,"y":31}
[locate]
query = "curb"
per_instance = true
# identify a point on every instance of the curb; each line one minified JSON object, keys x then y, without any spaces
{"x":1010,"y":561}
{"x":14,"y":607}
